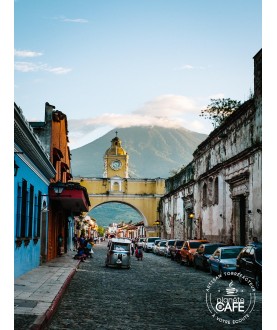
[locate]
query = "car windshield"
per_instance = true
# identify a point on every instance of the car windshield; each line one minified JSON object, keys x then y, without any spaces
{"x":170,"y":242}
{"x":141,"y":239}
{"x":163,"y":243}
{"x":230,"y":253}
{"x":152,"y":239}
{"x":157,"y":242}
{"x":259,"y":255}
{"x":194,"y":245}
{"x":210,"y":249}
{"x":121,"y":247}
{"x":179,"y":243}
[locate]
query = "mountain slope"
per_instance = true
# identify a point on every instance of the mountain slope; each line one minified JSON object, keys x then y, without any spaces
{"x":153,"y":151}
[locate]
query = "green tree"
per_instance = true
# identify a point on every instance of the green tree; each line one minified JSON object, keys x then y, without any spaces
{"x":219,"y":109}
{"x":101,"y":231}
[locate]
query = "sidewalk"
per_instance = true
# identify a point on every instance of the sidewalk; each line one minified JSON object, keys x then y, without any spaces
{"x":37,"y":293}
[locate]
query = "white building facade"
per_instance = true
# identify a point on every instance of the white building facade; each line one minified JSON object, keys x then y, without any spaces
{"x":218,"y":196}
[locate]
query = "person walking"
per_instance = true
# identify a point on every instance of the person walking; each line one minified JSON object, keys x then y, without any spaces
{"x":132,"y":247}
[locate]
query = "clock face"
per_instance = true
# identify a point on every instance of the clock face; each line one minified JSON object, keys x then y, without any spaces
{"x":116,"y":165}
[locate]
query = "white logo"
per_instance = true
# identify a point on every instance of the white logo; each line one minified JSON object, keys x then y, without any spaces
{"x":227,"y":303}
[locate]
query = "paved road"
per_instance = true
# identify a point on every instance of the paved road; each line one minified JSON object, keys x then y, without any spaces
{"x":155,"y":293}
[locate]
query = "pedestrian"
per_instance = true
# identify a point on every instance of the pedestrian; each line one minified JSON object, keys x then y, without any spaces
{"x":60,"y":244}
{"x":132,"y":247}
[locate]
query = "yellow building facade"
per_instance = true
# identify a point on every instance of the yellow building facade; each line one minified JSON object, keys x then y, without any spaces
{"x":115,"y":186}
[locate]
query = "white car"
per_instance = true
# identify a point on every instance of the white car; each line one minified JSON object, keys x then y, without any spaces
{"x":161,"y":248}
{"x":149,"y":243}
{"x":154,"y":250}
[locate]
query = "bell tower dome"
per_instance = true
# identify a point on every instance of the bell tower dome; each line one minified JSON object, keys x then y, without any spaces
{"x":116,"y":160}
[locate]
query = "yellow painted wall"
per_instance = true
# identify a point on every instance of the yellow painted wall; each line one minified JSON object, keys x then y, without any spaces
{"x":142,"y":194}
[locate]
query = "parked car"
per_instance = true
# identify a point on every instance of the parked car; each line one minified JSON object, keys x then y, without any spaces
{"x":141,"y":241}
{"x":224,"y":260}
{"x":188,"y":249}
{"x":203,"y":253}
{"x":149,"y":243}
{"x":154,"y":250}
{"x":175,"y":250}
{"x":169,"y":243}
{"x":161,"y":247}
{"x":249,"y":264}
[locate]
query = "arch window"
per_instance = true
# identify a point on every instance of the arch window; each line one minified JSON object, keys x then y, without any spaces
{"x":216,"y":190}
{"x":205,"y":195}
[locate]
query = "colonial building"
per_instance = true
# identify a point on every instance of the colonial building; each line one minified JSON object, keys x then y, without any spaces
{"x":115,"y":186}
{"x":32,"y":176}
{"x":219,"y":194}
{"x":66,"y":199}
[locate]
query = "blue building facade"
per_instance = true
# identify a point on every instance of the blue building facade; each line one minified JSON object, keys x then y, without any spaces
{"x":32,"y":176}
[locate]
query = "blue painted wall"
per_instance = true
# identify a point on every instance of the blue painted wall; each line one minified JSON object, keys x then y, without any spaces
{"x":27,"y":257}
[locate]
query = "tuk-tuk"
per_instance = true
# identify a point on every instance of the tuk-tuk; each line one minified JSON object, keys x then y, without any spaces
{"x":119,"y":253}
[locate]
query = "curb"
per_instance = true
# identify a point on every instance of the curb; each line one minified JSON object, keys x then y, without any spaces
{"x":42,"y":320}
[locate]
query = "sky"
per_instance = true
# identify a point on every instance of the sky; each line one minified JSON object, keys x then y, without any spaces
{"x":107,"y":63}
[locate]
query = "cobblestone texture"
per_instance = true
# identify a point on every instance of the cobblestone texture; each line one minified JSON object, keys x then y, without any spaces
{"x":155,"y":293}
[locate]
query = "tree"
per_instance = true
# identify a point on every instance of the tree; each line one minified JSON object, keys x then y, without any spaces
{"x":101,"y":231}
{"x":219,"y":109}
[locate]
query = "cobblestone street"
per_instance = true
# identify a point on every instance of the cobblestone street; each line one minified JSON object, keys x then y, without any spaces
{"x":155,"y":293}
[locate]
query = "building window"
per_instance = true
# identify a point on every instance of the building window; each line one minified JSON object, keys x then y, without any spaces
{"x":23,"y":217}
{"x":31,"y":211}
{"x":205,"y":194}
{"x":18,"y":211}
{"x":216,"y":190}
{"x":210,"y":191}
{"x":37,"y":228}
{"x":115,"y":186}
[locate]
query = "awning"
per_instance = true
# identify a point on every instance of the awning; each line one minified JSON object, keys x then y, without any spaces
{"x":73,"y":196}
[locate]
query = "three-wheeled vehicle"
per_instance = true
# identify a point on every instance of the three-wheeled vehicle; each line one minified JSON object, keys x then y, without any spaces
{"x":119,"y":253}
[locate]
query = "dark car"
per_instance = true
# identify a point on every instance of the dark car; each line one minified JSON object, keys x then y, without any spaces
{"x":203,"y":253}
{"x":249,"y":264}
{"x":175,"y":250}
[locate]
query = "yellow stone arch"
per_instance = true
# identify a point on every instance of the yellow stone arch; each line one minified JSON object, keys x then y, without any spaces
{"x":141,"y":194}
{"x":116,"y":186}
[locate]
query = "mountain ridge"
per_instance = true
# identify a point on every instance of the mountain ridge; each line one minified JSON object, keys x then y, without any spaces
{"x":153,"y":151}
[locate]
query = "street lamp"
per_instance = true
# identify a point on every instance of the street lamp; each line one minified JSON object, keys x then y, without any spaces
{"x":58,"y":188}
{"x":191,"y":215}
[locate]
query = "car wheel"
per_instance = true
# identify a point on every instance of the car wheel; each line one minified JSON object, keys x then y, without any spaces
{"x":258,"y":282}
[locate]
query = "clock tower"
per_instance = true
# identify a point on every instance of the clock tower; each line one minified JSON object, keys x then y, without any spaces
{"x":116,"y":160}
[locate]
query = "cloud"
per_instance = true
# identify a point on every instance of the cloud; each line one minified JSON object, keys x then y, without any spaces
{"x":75,"y":20}
{"x":26,"y":53}
{"x":190,"y":67}
{"x":169,"y":105}
{"x":171,"y":111}
{"x":35,"y":67}
{"x":71,"y":20}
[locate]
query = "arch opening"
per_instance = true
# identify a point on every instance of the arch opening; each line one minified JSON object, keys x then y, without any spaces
{"x":110,"y":212}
